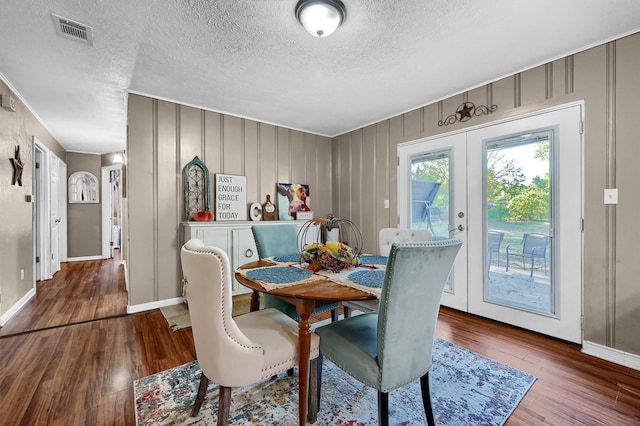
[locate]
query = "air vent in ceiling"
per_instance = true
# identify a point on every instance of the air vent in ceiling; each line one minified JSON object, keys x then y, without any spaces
{"x":74,"y":30}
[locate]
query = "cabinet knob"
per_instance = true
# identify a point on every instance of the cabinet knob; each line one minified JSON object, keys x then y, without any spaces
{"x":248,"y":253}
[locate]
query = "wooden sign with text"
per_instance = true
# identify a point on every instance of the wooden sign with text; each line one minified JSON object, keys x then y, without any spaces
{"x":231,"y":197}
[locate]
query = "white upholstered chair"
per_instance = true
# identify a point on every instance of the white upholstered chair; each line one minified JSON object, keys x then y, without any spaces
{"x":386,"y":237}
{"x":234,"y":352}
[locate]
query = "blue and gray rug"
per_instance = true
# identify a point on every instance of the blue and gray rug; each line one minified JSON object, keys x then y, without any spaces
{"x":466,"y":389}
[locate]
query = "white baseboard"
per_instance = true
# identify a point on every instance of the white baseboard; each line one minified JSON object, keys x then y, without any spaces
{"x":610,"y":354}
{"x":84,"y":258}
{"x":16,"y":308}
{"x":132,"y":309}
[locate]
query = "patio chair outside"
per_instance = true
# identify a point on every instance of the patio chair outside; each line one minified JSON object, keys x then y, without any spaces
{"x":422,"y":195}
{"x":494,"y":240}
{"x":534,"y":246}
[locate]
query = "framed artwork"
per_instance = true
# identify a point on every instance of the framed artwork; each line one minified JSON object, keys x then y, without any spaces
{"x":292,"y":198}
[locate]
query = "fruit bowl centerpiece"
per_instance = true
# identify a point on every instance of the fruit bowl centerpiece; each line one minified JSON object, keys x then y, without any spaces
{"x":333,"y":256}
{"x":324,"y":252}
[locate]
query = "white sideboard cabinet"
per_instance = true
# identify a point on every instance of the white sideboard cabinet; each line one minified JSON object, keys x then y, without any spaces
{"x":236,"y":239}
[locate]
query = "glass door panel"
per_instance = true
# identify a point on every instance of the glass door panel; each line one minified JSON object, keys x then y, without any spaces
{"x":517,"y":229}
{"x":432,"y":196}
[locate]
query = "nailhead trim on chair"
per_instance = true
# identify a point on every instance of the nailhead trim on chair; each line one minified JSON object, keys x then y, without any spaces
{"x":204,"y":250}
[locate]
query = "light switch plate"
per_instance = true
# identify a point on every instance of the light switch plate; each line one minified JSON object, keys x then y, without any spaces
{"x":611,"y":196}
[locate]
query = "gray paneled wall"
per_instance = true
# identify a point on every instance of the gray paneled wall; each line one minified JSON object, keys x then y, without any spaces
{"x":607,"y":77}
{"x":163,"y":137}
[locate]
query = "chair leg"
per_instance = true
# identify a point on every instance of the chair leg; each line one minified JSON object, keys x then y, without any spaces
{"x":224,"y":402}
{"x":383,"y":408}
{"x":202,"y":390}
{"x":347,"y":311}
{"x":335,"y":314}
{"x":315,"y":378}
{"x":426,"y":399}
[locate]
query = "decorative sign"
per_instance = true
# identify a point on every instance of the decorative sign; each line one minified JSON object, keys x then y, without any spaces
{"x":231,"y":197}
{"x":466,"y":111}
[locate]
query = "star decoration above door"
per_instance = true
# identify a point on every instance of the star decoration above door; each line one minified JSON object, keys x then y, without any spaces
{"x":17,"y":167}
{"x":465,"y":111}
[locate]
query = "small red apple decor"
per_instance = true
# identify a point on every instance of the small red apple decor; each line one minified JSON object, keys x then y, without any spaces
{"x":204,"y":216}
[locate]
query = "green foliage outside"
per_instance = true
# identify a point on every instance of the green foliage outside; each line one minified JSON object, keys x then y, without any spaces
{"x":509,"y":199}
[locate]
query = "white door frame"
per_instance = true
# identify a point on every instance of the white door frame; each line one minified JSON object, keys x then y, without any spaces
{"x":570,"y":330}
{"x":42,"y":211}
{"x":107,"y":209}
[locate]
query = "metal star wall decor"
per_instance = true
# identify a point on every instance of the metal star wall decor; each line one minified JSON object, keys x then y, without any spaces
{"x":465,"y":111}
{"x":17,"y":167}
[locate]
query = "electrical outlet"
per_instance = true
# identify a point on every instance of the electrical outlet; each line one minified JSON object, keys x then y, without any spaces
{"x":386,"y":204}
{"x":21,"y":274}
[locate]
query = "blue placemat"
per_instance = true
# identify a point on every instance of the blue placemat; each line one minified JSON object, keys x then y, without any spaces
{"x":279,"y":274}
{"x":294,"y":257}
{"x":373,"y":260}
{"x":368,"y":278}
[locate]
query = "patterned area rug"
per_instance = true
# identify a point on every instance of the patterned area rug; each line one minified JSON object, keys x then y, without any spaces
{"x":466,"y":389}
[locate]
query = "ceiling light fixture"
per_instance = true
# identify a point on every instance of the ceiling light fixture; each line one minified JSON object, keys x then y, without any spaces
{"x":321,"y":17}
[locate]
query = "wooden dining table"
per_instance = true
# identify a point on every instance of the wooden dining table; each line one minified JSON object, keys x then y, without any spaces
{"x":305,"y":297}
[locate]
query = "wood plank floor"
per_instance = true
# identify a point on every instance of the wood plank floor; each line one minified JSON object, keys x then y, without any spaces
{"x":79,"y":292}
{"x":83,"y":374}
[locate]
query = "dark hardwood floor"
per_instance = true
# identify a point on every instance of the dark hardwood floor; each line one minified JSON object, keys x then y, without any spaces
{"x":83,"y":374}
{"x":79,"y":292}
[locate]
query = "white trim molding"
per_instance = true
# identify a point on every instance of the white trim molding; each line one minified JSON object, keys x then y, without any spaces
{"x":132,"y":309}
{"x":610,"y":354}
{"x":84,"y":258}
{"x":16,"y":308}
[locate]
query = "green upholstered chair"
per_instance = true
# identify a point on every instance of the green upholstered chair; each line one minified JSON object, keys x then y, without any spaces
{"x":392,"y":347}
{"x":282,"y":240}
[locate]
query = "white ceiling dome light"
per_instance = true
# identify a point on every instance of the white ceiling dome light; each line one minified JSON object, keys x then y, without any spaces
{"x":321,"y":17}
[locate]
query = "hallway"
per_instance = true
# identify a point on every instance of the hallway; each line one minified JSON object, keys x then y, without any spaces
{"x":79,"y":292}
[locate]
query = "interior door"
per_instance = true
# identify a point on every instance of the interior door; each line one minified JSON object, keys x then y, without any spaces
{"x":440,"y":166}
{"x":54,"y":211}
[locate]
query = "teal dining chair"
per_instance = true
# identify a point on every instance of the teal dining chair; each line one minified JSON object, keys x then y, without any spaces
{"x":281,"y":242}
{"x":392,"y":347}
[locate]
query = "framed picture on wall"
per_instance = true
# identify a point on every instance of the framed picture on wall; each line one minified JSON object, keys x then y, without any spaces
{"x":292,"y":198}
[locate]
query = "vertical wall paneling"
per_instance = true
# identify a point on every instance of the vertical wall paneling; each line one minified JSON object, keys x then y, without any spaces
{"x":382,"y":174}
{"x":232,"y":143}
{"x":589,"y":81}
{"x":141,"y":256}
{"x":162,"y":138}
{"x":369,"y":197}
{"x":356,"y":169}
{"x":251,"y":161}
{"x":627,"y":176}
{"x":268,"y":161}
{"x":213,"y":143}
{"x":568,"y":73}
{"x":611,"y":182}
{"x":168,"y":180}
{"x":605,"y":77}
{"x":533,"y":85}
{"x":517,"y":88}
{"x":504,"y":95}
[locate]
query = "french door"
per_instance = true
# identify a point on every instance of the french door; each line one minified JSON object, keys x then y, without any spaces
{"x":511,"y":191}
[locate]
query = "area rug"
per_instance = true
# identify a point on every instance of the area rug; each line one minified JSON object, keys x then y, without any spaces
{"x":466,"y":389}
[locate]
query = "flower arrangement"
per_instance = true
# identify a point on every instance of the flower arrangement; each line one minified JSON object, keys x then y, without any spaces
{"x":333,"y":256}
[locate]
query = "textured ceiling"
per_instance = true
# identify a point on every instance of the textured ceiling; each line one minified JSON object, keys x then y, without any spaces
{"x":251,"y":58}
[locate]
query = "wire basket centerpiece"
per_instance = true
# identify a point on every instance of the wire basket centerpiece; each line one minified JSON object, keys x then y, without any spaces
{"x":333,"y":244}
